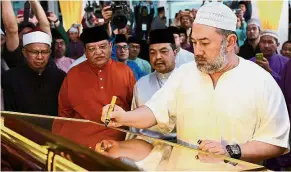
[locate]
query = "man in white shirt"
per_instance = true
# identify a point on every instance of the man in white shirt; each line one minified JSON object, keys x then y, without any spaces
{"x":210,"y":104}
{"x":183,"y":56}
{"x":162,"y":58}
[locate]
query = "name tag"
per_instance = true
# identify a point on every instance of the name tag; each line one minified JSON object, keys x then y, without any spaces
{"x":144,"y":27}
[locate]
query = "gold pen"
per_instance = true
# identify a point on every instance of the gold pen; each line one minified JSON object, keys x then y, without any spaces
{"x":111,"y":107}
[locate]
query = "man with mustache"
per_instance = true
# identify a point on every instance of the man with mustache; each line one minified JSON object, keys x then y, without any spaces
{"x":251,"y":45}
{"x":59,"y":50}
{"x":34,"y":86}
{"x":163,"y":53}
{"x":134,"y":50}
{"x":210,"y":104}
{"x":92,"y":84}
{"x":122,"y":54}
{"x":271,"y":62}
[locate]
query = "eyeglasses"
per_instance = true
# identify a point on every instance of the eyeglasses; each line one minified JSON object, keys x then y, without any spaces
{"x":94,"y":49}
{"x":35,"y":53}
{"x":125,"y":47}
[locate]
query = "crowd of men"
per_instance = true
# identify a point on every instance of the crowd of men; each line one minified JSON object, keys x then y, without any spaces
{"x":217,"y":81}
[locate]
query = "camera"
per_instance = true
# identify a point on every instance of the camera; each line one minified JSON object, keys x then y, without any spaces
{"x":92,"y":10}
{"x":119,"y":13}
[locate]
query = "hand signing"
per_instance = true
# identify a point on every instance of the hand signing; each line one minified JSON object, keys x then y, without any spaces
{"x":116,"y":117}
{"x":213,"y":147}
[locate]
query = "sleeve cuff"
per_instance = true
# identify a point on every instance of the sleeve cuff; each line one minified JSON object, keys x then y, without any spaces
{"x":275,"y":142}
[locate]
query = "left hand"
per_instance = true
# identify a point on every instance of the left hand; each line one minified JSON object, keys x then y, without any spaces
{"x":53,"y":18}
{"x":264,"y":64}
{"x":107,"y":14}
{"x":213,"y":147}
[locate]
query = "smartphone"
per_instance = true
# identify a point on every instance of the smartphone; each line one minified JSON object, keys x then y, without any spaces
{"x":259,"y":56}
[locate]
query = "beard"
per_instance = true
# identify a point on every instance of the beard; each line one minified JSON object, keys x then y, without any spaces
{"x":213,"y":66}
{"x":253,"y":37}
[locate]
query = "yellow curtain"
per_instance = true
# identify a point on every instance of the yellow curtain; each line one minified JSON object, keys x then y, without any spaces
{"x":71,"y":12}
{"x":270,"y":13}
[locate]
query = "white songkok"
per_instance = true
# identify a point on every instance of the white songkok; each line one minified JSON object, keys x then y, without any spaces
{"x":218,"y":15}
{"x":255,"y":22}
{"x":272,"y":33}
{"x":36,"y":37}
{"x":73,"y":30}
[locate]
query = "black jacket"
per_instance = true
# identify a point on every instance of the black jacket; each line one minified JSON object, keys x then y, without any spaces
{"x":247,"y":52}
{"x":26,"y":91}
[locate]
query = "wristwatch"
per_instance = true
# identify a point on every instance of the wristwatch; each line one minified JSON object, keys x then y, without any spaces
{"x":56,"y":21}
{"x":234,"y":151}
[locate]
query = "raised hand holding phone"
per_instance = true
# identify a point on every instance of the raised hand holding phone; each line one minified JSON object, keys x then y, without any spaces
{"x":263,"y":62}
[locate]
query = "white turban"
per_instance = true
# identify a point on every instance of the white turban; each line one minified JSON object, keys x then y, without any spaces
{"x":218,"y":15}
{"x":36,"y":37}
{"x":73,"y":30}
{"x":272,"y":33}
{"x":255,"y":22}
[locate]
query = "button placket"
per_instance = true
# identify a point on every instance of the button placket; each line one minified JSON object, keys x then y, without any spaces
{"x":101,"y":79}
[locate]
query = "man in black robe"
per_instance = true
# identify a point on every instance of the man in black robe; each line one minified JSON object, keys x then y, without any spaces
{"x":34,"y":86}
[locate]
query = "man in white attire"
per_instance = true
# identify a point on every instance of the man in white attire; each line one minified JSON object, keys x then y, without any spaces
{"x":210,"y":103}
{"x":162,"y":53}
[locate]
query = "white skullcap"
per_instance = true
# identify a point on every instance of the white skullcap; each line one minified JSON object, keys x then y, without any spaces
{"x":36,"y":37}
{"x":73,"y":30}
{"x":272,"y":33}
{"x":2,"y":33}
{"x":255,"y":22}
{"x":218,"y":15}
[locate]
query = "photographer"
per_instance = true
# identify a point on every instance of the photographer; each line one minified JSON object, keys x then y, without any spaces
{"x":93,"y":16}
{"x":241,"y":28}
{"x":143,"y":20}
{"x":159,"y":21}
{"x":58,"y":27}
